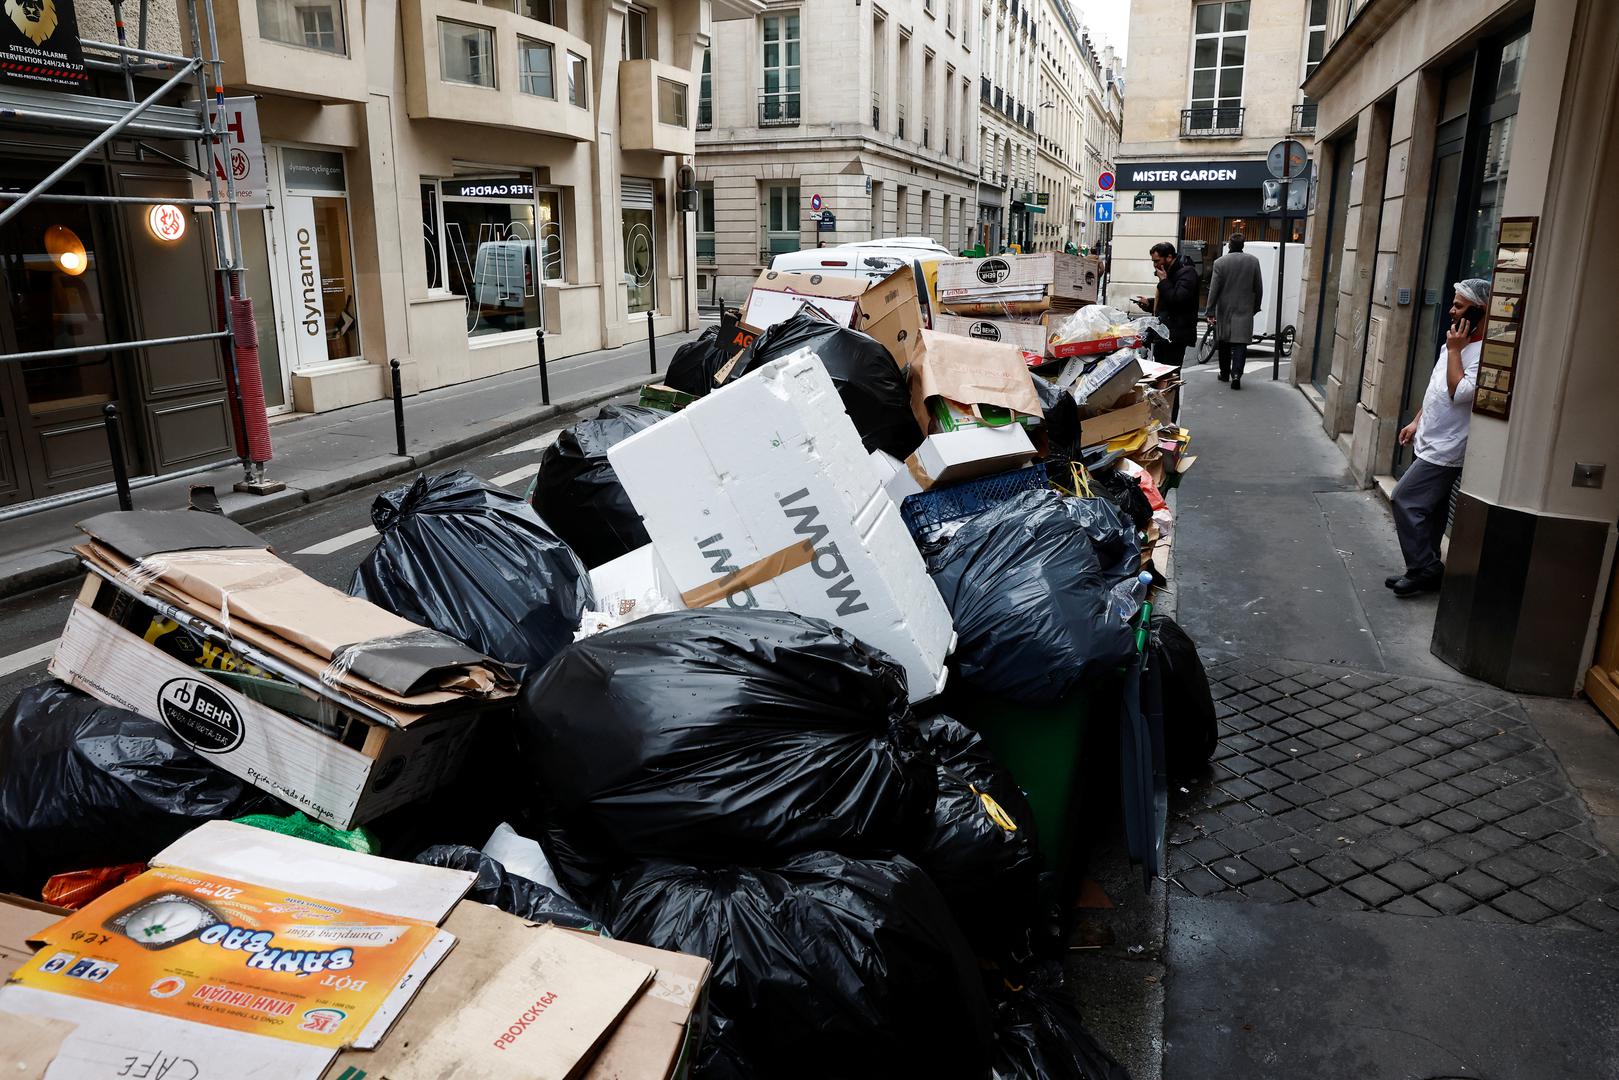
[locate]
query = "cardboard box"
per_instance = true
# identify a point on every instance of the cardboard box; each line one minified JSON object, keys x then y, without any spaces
{"x":1028,"y":335}
{"x":887,"y":310}
{"x":645,"y":1042}
{"x":1059,"y":276}
{"x":346,"y":740}
{"x":1095,"y":430}
{"x":972,"y":375}
{"x":761,"y":496}
{"x":21,"y":920}
{"x":953,"y":456}
{"x":153,"y":987}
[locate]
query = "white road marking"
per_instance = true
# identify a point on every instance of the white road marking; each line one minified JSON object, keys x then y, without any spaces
{"x":508,"y":479}
{"x":338,"y":543}
{"x":539,"y":442}
{"x":27,"y":658}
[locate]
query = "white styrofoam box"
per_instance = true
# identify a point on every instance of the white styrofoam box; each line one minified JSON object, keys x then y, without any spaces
{"x":895,"y":476}
{"x":634,"y":575}
{"x":763,"y":465}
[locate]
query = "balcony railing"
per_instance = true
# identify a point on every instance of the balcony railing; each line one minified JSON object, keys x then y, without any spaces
{"x":997,"y":98}
{"x":983,"y":89}
{"x":1212,"y":122}
{"x":705,"y":115}
{"x":1304,"y":118}
{"x":779,"y":109}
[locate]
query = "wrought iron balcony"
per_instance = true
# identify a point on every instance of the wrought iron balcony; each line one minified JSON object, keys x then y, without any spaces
{"x":705,"y":115}
{"x":983,"y":89}
{"x":998,"y":97}
{"x":1304,"y":118}
{"x":1212,"y":122}
{"x":778,"y":109}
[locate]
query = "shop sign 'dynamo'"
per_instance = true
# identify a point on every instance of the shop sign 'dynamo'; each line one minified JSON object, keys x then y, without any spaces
{"x":39,"y":44}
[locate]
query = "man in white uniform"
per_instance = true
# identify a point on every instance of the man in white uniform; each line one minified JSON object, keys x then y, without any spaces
{"x":1422,"y":497}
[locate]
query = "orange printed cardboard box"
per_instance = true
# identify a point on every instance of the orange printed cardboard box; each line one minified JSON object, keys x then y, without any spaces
{"x":231,"y":954}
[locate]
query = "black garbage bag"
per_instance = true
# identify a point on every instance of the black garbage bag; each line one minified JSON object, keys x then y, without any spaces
{"x":1027,"y":585}
{"x":1190,"y":730}
{"x":578,"y":493}
{"x":477,"y":563}
{"x":1038,"y":1032}
{"x":1123,"y":491}
{"x":719,"y":1057}
{"x":716,"y":736}
{"x":696,"y":363}
{"x":982,"y":849}
{"x":85,"y":785}
{"x":1061,"y":420}
{"x":507,"y":891}
{"x":828,"y":966}
{"x":872,"y":386}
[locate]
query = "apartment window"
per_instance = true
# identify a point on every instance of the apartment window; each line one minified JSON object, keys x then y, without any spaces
{"x":634,"y":36}
{"x":705,"y":223}
{"x":781,"y":68}
{"x":927,"y":213}
{"x":578,"y":81}
{"x":927,"y":6}
{"x":902,"y":83}
{"x":927,"y":99}
{"x":312,"y":26}
{"x":466,"y":53}
{"x":781,"y":214}
{"x":902,"y":222}
{"x":1219,"y":49}
{"x":950,"y":15}
{"x":966,"y":106}
{"x":705,"y":94}
{"x":534,"y":68}
{"x":949,"y":106}
{"x":1315,"y":46}
{"x":543,"y":10}
{"x":319,"y":26}
{"x":879,"y":66}
{"x":671,"y":103}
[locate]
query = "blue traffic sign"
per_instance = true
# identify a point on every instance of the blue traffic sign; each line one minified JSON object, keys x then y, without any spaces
{"x":1104,"y":211}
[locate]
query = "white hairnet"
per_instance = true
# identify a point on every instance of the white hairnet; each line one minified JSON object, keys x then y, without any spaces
{"x":1474,"y":290}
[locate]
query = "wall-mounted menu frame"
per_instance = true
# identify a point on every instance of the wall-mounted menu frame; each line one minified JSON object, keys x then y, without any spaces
{"x":1498,"y":361}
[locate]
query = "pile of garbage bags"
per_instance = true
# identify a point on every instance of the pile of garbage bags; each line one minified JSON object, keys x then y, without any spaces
{"x":753,"y":787}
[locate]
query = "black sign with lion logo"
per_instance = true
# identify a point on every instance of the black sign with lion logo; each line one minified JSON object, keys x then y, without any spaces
{"x":39,"y":44}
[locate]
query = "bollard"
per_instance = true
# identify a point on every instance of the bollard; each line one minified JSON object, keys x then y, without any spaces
{"x":399,"y":409}
{"x":545,"y":378}
{"x":115,"y":449}
{"x":651,"y":343}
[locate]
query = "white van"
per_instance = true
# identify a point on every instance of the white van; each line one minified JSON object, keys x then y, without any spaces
{"x":873,"y":260}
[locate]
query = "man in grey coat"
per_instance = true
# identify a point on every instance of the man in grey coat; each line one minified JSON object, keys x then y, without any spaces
{"x":1235,"y":294}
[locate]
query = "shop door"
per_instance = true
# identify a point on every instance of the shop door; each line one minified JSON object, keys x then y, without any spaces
{"x":1602,"y":680}
{"x":256,"y":230}
{"x":1436,"y":266}
{"x":640,"y":263}
{"x":54,"y":261}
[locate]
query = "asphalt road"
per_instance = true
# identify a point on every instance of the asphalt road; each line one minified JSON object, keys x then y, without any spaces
{"x":326,"y":540}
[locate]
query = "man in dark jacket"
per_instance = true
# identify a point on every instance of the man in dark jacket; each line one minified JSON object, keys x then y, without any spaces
{"x":1176,"y":302}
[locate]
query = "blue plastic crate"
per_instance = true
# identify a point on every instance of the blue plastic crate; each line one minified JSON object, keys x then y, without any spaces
{"x":930,"y":509}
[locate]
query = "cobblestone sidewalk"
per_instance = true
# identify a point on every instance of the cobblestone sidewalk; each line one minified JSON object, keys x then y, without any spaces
{"x":1366,"y":790}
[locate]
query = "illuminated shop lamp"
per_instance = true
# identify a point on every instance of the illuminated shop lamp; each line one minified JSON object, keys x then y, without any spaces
{"x":66,"y":250}
{"x":167,"y":222}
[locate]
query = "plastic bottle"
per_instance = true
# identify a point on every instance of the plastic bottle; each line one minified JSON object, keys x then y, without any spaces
{"x":1128,"y":595}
